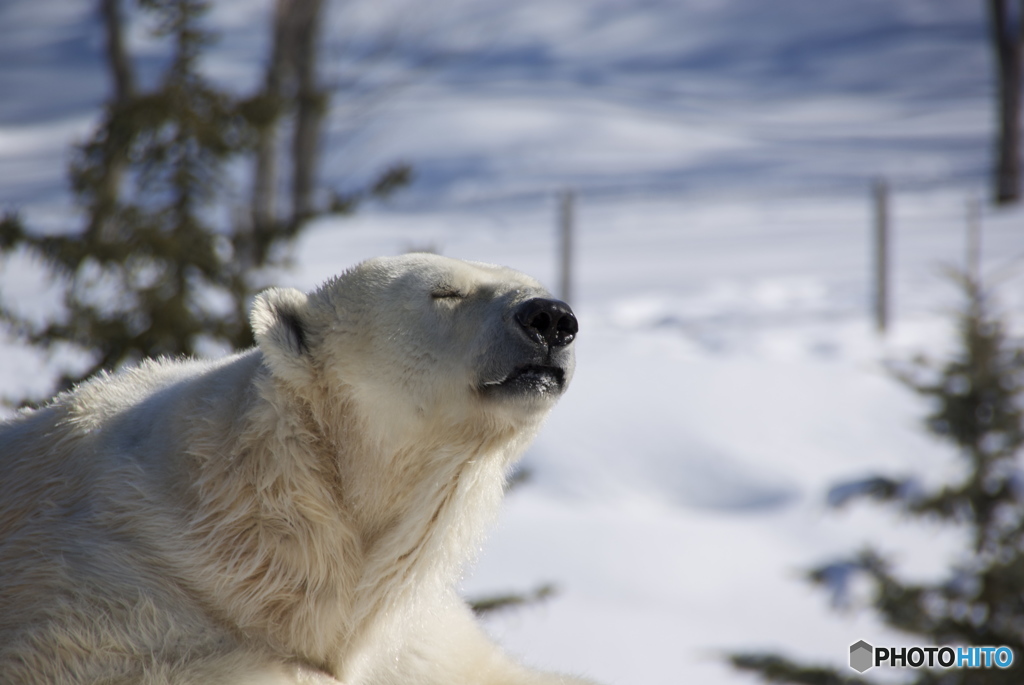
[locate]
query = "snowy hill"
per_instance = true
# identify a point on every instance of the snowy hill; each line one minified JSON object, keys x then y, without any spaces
{"x":728,"y":374}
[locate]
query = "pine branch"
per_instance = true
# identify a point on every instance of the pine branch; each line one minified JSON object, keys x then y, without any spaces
{"x":496,"y":603}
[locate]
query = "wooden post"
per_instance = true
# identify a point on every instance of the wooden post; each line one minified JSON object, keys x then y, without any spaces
{"x":881,"y":200}
{"x":974,"y":241}
{"x":565,"y":230}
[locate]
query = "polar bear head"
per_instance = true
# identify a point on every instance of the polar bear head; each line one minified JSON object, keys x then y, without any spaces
{"x":422,"y":339}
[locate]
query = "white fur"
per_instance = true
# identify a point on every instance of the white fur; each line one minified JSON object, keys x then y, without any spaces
{"x":297,"y":513}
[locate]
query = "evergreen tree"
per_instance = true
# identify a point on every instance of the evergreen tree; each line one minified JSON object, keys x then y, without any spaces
{"x":978,"y":399}
{"x":165,"y":261}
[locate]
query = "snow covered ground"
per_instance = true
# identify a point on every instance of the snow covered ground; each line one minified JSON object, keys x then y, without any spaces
{"x":728,"y":371}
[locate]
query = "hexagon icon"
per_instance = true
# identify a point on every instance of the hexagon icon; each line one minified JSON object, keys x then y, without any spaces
{"x":861,"y":656}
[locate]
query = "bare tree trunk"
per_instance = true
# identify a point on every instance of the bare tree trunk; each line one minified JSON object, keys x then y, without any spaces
{"x":117,"y":58}
{"x":311,"y":105}
{"x":1006,"y":39}
{"x":264,"y":192}
{"x":123,"y":78}
{"x":290,"y":81}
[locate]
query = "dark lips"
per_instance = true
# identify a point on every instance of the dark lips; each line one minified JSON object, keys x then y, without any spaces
{"x":532,"y":378}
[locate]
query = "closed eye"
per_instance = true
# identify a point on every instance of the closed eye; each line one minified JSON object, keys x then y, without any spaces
{"x":447,"y":294}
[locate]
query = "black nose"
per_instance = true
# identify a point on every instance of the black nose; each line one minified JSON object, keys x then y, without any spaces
{"x":549,"y":322}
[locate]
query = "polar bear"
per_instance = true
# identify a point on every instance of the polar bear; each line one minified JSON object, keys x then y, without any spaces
{"x":297,"y":513}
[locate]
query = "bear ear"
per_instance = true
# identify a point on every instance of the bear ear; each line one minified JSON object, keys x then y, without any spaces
{"x":279,"y":322}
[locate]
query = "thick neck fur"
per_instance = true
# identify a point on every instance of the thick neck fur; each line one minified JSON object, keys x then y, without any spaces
{"x":334,"y":530}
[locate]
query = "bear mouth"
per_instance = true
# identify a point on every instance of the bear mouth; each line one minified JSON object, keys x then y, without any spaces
{"x":530,"y":379}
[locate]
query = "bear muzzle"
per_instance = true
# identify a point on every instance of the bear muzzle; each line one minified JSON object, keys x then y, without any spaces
{"x":545,"y":329}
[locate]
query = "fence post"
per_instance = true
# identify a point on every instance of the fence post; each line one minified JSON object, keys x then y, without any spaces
{"x":565,"y":229}
{"x":881,"y":201}
{"x":974,"y":241}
